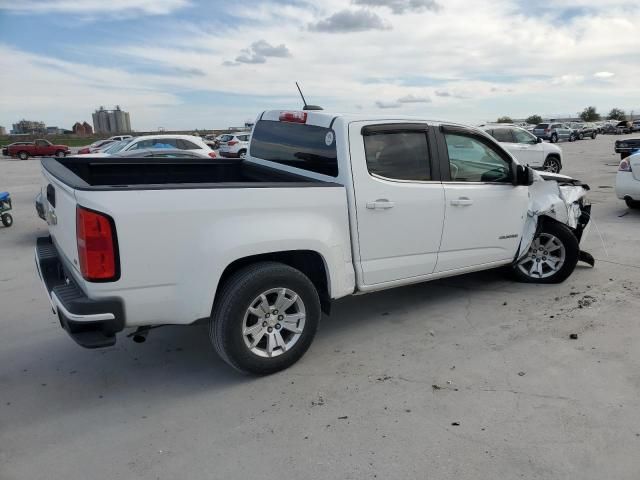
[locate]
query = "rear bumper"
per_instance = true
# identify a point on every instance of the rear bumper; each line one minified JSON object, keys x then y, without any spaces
{"x":228,"y":154}
{"x":627,"y":186}
{"x":91,"y":323}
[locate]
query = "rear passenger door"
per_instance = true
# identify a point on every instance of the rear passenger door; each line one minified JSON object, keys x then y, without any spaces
{"x":484,"y":213}
{"x":399,"y":200}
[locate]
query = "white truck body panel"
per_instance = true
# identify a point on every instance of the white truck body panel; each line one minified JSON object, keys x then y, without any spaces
{"x":175,"y":243}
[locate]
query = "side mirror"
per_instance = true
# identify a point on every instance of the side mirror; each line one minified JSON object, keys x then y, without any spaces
{"x":539,"y":140}
{"x":524,"y":175}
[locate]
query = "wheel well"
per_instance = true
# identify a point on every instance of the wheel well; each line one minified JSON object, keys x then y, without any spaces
{"x":307,"y":261}
{"x":554,"y":155}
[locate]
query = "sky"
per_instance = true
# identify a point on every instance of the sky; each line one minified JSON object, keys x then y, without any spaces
{"x":187,"y":64}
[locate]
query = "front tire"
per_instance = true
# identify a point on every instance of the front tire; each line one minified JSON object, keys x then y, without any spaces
{"x":7,"y":220}
{"x":632,"y":203}
{"x":552,"y":256}
{"x":552,"y":164}
{"x":265,"y":318}
{"x":594,"y":135}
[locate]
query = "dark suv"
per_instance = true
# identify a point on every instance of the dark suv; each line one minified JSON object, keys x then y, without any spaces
{"x":583,"y":130}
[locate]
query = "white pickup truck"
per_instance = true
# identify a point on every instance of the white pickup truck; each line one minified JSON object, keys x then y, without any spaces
{"x":322,"y":207}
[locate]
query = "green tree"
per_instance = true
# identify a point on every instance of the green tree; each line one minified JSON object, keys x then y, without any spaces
{"x":616,"y":114}
{"x":505,"y":119}
{"x":534,"y":119}
{"x":589,"y":114}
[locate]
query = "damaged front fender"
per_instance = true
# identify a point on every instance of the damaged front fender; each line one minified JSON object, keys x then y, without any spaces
{"x":559,"y":197}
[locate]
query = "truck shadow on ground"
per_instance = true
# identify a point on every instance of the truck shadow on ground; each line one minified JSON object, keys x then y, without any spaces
{"x":177,"y":362}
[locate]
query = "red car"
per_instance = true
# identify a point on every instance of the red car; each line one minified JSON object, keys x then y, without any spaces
{"x":38,"y":148}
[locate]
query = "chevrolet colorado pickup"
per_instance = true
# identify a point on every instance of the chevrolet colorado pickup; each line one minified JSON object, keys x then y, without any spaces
{"x":38,"y":148}
{"x":323,"y":206}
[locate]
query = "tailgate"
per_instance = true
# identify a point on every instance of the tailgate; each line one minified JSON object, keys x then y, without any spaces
{"x":59,"y":204}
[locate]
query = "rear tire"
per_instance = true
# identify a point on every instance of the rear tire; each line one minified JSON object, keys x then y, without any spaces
{"x":552,"y":257}
{"x":246,"y":328}
{"x":242,"y":154}
{"x":23,"y":155}
{"x":632,"y":203}
{"x":7,"y":219}
{"x":60,"y":153}
{"x":554,"y":138}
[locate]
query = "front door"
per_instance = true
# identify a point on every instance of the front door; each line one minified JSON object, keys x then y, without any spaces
{"x":399,"y":207}
{"x":527,"y":150}
{"x":484,"y":212}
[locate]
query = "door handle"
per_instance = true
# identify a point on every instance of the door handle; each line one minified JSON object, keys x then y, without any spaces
{"x":380,"y":204}
{"x":462,"y":202}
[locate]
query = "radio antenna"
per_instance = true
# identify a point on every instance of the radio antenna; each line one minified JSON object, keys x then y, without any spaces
{"x":303,"y":100}
{"x":307,"y":107}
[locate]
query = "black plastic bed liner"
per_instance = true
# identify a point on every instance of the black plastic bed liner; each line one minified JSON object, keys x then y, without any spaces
{"x":109,"y":173}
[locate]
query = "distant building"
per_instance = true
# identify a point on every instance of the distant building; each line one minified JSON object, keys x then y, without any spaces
{"x":82,"y":129}
{"x":54,"y":131}
{"x":29,"y":127}
{"x":3,"y":131}
{"x":111,"y":121}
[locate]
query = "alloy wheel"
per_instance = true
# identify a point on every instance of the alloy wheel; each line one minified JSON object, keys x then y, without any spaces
{"x":545,"y":257}
{"x":274,"y":322}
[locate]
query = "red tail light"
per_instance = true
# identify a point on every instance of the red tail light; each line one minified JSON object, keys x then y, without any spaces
{"x":84,"y":150}
{"x":231,"y":143}
{"x":97,"y":246}
{"x":547,"y":130}
{"x":295,"y":117}
{"x":625,"y":166}
{"x":213,"y":155}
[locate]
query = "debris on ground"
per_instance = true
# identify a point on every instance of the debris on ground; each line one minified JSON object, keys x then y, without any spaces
{"x":522,"y":374}
{"x":432,"y":333}
{"x":343,"y":417}
{"x":586,"y":301}
{"x":318,"y":402}
{"x":455,"y":424}
{"x":573,"y":336}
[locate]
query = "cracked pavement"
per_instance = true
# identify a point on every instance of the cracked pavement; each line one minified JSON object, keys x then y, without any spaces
{"x":515,"y":396}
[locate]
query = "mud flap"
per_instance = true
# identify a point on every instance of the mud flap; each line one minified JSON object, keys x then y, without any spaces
{"x":586,"y":258}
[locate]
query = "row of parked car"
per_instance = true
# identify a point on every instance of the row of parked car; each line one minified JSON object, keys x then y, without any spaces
{"x":229,"y":145}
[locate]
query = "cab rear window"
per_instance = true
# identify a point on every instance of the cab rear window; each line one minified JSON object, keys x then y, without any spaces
{"x":308,"y":147}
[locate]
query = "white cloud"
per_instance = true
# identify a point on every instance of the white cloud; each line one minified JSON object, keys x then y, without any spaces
{"x":413,"y":99}
{"x":381,"y":104}
{"x":87,"y":7}
{"x":457,"y":65}
{"x":603,"y":74}
{"x":348,"y":21}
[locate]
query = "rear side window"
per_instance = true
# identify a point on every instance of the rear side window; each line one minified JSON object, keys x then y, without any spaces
{"x":503,"y":135}
{"x":308,"y":147}
{"x":398,"y":155}
{"x":542,"y":125}
{"x":187,"y":145}
{"x":243,"y":138}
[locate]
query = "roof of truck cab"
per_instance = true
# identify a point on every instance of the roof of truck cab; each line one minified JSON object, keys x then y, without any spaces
{"x":325,"y":118}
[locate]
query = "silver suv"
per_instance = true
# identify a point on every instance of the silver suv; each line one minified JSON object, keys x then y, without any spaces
{"x":554,"y":131}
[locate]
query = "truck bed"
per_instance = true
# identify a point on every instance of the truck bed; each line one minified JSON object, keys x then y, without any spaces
{"x":167,"y":173}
